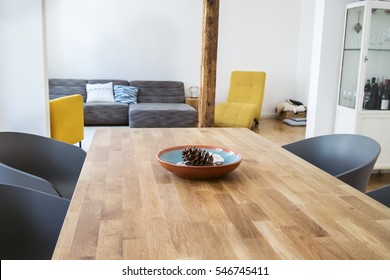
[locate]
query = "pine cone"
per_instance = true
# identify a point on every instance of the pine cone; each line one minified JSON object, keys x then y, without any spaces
{"x":194,"y":156}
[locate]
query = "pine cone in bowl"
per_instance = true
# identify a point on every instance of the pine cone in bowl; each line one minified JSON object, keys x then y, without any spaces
{"x":194,"y":156}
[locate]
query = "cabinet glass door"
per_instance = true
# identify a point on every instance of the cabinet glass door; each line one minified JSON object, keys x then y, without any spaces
{"x":377,"y":78}
{"x":351,"y":57}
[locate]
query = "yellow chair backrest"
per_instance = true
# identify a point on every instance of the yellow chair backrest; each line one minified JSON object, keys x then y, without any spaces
{"x":67,"y":118}
{"x":247,"y":87}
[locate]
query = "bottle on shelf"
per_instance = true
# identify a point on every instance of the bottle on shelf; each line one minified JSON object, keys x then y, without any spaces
{"x":385,"y":98}
{"x":374,"y":103}
{"x":367,"y":94}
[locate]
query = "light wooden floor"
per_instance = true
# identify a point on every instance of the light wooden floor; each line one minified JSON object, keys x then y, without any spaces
{"x":281,"y":133}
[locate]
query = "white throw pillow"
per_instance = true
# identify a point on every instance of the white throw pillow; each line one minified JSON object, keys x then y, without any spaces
{"x":100,"y":93}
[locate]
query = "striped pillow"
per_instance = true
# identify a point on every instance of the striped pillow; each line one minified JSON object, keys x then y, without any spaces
{"x":125,"y":94}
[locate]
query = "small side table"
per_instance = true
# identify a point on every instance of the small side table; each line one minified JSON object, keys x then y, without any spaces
{"x":192,"y":102}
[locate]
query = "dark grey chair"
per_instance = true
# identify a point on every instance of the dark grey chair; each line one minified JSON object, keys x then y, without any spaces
{"x":58,"y":163}
{"x":30,"y":223}
{"x":381,"y":195}
{"x":349,"y":157}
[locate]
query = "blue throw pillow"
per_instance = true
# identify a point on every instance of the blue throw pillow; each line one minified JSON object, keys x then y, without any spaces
{"x":125,"y":94}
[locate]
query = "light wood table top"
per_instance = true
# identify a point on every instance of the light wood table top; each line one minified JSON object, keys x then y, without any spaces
{"x":273,"y":206}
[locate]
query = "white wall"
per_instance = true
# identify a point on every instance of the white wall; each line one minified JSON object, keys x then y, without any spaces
{"x":150,"y":39}
{"x":154,"y":39}
{"x":23,"y":94}
{"x":260,"y":35}
{"x":125,"y":39}
{"x":325,"y":65}
{"x":305,"y":50}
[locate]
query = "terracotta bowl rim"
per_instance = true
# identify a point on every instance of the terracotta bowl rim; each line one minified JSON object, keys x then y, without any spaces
{"x":173,"y":148}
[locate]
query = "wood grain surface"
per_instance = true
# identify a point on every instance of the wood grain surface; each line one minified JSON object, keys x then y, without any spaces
{"x":273,"y":206}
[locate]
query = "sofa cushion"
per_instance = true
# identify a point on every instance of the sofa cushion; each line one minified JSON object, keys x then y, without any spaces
{"x":64,"y":87}
{"x":162,"y":115}
{"x":100,"y":93}
{"x":106,"y":113}
{"x":159,"y":91}
{"x":125,"y":94}
{"x":104,"y":81}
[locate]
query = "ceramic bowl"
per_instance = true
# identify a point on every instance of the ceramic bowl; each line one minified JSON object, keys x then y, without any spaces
{"x":170,"y":157}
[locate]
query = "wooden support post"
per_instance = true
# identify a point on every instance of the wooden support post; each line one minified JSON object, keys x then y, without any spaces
{"x":208,"y":63}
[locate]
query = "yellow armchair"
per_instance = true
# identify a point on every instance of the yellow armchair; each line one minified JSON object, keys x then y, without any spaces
{"x":67,"y":119}
{"x":244,"y":101}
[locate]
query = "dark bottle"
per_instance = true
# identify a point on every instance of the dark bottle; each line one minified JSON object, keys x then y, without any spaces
{"x":367,"y":87}
{"x":388,"y":95}
{"x":385,"y":98}
{"x":367,"y":94}
{"x":374,"y":103}
{"x":375,"y":98}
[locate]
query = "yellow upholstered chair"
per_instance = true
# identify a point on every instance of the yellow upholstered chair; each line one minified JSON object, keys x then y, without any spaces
{"x":244,"y":102}
{"x":67,"y":119}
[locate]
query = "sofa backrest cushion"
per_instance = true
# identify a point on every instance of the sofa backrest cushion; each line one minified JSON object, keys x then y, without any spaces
{"x":105,"y":81}
{"x":148,"y":91}
{"x":65,"y":87}
{"x":159,"y":91}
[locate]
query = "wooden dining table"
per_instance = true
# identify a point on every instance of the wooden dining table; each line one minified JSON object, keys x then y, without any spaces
{"x":273,"y":206}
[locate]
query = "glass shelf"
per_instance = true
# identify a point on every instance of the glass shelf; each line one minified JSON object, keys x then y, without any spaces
{"x":380,"y":50}
{"x":357,"y":49}
{"x":352,"y":49}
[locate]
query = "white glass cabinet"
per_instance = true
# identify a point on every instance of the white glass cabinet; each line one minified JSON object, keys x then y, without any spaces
{"x":364,"y":88}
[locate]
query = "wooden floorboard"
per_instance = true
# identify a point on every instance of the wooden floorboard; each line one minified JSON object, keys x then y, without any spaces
{"x":281,"y":133}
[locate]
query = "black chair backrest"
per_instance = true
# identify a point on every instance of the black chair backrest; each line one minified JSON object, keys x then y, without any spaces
{"x":30,"y":223}
{"x":349,"y":157}
{"x":54,"y":161}
{"x":12,"y":176}
{"x":381,"y":195}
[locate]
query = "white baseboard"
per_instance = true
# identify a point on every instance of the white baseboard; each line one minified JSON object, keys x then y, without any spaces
{"x":268,"y":116}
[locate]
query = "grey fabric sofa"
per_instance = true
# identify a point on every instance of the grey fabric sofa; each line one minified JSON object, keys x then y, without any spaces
{"x":159,"y":104}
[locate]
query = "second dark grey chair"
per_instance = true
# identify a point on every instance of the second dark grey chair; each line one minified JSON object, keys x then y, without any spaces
{"x":30,"y":223}
{"x":349,"y":157}
{"x":58,"y":163}
{"x":381,"y":195}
